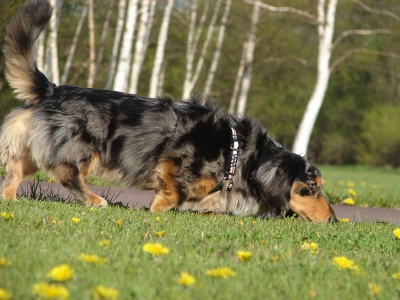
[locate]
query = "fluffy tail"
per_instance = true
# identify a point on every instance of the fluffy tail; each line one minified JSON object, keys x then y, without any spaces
{"x":22,"y":73}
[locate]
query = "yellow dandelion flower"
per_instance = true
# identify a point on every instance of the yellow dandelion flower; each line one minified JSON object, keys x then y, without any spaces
{"x":348,"y":201}
{"x":396,"y":233}
{"x":158,"y":219}
{"x":50,"y":180}
{"x":155,"y":249}
{"x":350,"y":184}
{"x":374,"y":288}
{"x":342,"y":262}
{"x":105,"y":243}
{"x":241,"y":223}
{"x":343,"y":220}
{"x":396,"y":275}
{"x":311,"y":293}
{"x":221,"y":272}
{"x":244,"y":255}
{"x":5,"y":295}
{"x":352,"y":192}
{"x":159,"y":233}
{"x":92,"y":258}
{"x":61,"y":273}
{"x":118,"y":222}
{"x":50,"y":291}
{"x":75,"y":220}
{"x":93,"y":209}
{"x":186,"y":279}
{"x":313,"y":247}
{"x":101,"y":292}
{"x":7,"y":216}
{"x":4,"y":262}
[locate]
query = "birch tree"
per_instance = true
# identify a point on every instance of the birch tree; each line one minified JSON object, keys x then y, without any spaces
{"x":217,"y":53}
{"x":116,"y":43}
{"x":191,"y":79}
{"x":55,"y":71}
{"x":122,"y":74}
{"x":326,"y":24}
{"x":156,"y":74}
{"x":92,"y":45}
{"x":142,"y":41}
{"x":72,"y":49}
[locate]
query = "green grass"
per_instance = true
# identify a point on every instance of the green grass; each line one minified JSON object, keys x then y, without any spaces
{"x":374,"y":187}
{"x":41,"y":236}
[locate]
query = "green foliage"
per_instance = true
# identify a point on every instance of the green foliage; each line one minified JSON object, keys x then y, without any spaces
{"x":41,"y":235}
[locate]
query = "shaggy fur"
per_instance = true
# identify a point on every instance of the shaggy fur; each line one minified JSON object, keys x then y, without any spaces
{"x":179,"y":149}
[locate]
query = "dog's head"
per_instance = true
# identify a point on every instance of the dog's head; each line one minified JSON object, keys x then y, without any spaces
{"x":288,"y":181}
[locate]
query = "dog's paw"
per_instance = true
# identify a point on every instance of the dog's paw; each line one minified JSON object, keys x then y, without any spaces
{"x":102,"y":203}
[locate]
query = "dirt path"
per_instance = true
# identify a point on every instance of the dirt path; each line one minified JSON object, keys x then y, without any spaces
{"x":137,"y":199}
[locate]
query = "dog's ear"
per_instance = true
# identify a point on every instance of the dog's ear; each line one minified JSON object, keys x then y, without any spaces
{"x":273,"y":180}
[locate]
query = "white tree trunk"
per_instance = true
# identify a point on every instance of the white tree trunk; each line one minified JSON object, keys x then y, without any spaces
{"x":249,"y":57}
{"x":73,"y":46}
{"x":40,"y":50}
{"x":103,"y":37}
{"x":55,"y":72}
{"x":124,"y":62}
{"x":326,"y":26}
{"x":159,"y":58}
{"x":116,"y":44}
{"x":142,"y":41}
{"x":217,"y":53}
{"x":92,"y":45}
{"x":238,"y":80}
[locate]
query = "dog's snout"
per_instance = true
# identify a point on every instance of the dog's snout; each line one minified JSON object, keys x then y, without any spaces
{"x":332,"y":217}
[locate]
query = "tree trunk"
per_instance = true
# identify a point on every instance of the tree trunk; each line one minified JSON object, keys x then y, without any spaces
{"x":40,"y":50}
{"x":92,"y":45}
{"x":217,"y":53}
{"x":73,"y":47}
{"x":159,"y":58}
{"x":124,"y":62}
{"x":326,"y":26}
{"x":142,"y":41}
{"x":249,"y":57}
{"x":116,"y":44}
{"x":55,"y":71}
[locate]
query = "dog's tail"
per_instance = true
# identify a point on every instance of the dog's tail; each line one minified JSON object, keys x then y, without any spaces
{"x":21,"y":71}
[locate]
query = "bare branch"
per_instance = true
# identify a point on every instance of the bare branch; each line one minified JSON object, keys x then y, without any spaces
{"x":377,"y":11}
{"x":362,"y":50}
{"x":282,"y":9}
{"x":361,"y":32}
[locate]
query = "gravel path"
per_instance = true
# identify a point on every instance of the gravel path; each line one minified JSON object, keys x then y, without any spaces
{"x":137,"y":199}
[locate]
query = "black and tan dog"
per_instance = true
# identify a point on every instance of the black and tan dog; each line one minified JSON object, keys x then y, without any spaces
{"x":195,"y":157}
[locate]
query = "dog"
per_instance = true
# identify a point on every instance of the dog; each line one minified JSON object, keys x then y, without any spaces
{"x":195,"y":157}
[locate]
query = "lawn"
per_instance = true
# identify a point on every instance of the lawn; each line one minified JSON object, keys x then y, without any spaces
{"x":366,"y":186}
{"x":290,"y":258}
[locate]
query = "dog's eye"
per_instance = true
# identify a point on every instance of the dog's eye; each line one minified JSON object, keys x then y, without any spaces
{"x":312,"y":185}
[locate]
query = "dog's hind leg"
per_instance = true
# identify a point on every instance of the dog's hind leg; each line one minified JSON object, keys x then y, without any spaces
{"x":71,"y":178}
{"x":16,"y":169}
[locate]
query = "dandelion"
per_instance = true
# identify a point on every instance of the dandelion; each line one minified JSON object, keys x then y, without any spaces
{"x":343,"y":220}
{"x":50,"y":180}
{"x":4,"y":295}
{"x":61,"y":273}
{"x":4,"y":262}
{"x":352,"y":192}
{"x":186,"y":279}
{"x":244,"y":255}
{"x":105,"y":243}
{"x":350,"y":184}
{"x":7,"y":216}
{"x":75,"y":220}
{"x":155,"y":249}
{"x":348,"y":201}
{"x":313,"y":247}
{"x":93,"y":209}
{"x":396,"y":233}
{"x":158,"y":219}
{"x":241,"y":223}
{"x":159,"y":233}
{"x":92,"y":258}
{"x":221,"y":272}
{"x":374,"y":288}
{"x":396,"y":275}
{"x":101,"y":292}
{"x":342,"y":262}
{"x":311,"y":293}
{"x":50,"y":291}
{"x":118,"y":222}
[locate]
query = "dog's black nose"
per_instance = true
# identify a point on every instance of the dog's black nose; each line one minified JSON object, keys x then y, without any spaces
{"x":333,"y":219}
